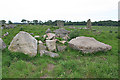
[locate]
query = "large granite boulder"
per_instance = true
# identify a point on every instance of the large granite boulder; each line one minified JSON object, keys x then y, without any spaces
{"x":25,"y":43}
{"x":2,"y":44}
{"x":51,"y":54}
{"x":88,"y":45}
{"x":51,"y":45}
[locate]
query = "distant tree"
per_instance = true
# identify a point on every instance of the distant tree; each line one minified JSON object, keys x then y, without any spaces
{"x":10,"y":22}
{"x":28,"y":22}
{"x":40,"y":22}
{"x":2,"y":22}
{"x":35,"y":22}
{"x":49,"y":22}
{"x":23,"y":21}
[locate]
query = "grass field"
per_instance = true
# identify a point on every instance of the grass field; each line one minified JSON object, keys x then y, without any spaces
{"x":71,"y":64}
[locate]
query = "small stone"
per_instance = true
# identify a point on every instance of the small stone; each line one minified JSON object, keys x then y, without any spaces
{"x":63,"y":42}
{"x":44,"y":36}
{"x":62,"y":33}
{"x":51,"y":45}
{"x":36,"y":36}
{"x":48,"y":31}
{"x":50,"y":36}
{"x":31,"y":33}
{"x":51,"y":54}
{"x":6,"y":34}
{"x":61,"y":48}
{"x":40,"y":42}
{"x":41,"y":47}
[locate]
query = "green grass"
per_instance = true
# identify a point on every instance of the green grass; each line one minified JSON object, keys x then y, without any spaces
{"x":71,"y":64}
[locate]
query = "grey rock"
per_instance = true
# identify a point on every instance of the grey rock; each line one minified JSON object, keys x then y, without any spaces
{"x":51,"y":45}
{"x":2,"y":44}
{"x":2,"y":27}
{"x":89,"y":24}
{"x":36,"y":36}
{"x":51,"y":54}
{"x":61,"y":48}
{"x":41,"y":47}
{"x":79,"y":27}
{"x":48,"y":31}
{"x":50,"y":36}
{"x":63,"y":42}
{"x":88,"y":45}
{"x":25,"y":43}
{"x":9,"y":26}
{"x":85,"y":28}
{"x":62,"y":33}
{"x":71,"y":27}
{"x":40,"y":42}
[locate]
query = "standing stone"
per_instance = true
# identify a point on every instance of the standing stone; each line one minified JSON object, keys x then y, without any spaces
{"x":88,"y":45}
{"x":2,"y":44}
{"x":60,"y":23}
{"x":89,"y":24}
{"x":51,"y":45}
{"x":25,"y":43}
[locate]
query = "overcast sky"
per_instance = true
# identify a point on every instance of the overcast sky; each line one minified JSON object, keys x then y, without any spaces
{"x":74,"y":10}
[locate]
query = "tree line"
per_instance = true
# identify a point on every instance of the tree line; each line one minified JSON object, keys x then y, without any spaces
{"x":66,"y":23}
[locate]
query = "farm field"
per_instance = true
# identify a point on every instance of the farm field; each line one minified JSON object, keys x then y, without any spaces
{"x":70,"y":64}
